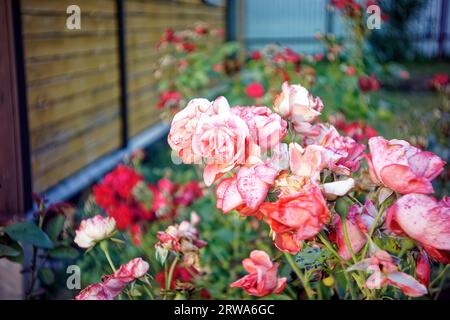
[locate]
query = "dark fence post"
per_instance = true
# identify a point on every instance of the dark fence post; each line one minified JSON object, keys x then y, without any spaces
{"x":15,"y":168}
{"x":123,"y":71}
{"x":442,"y":28}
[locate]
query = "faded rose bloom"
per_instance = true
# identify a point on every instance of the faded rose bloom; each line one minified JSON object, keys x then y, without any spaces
{"x":182,"y":238}
{"x":221,"y":139}
{"x":425,"y":220}
{"x":298,"y":105}
{"x":306,"y":162}
{"x":95,"y":291}
{"x":112,"y":285}
{"x":183,"y":127}
{"x":345,"y":154}
{"x":267,"y":129}
{"x":262,"y":279}
{"x":93,"y":230}
{"x":246,"y":190}
{"x":384,"y":272}
{"x":132,"y":270}
{"x":254,"y":90}
{"x":296,"y":217}
{"x":401,"y":167}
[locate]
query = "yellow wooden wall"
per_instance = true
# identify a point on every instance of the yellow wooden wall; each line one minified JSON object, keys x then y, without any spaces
{"x":146,"y":21}
{"x":73,"y":82}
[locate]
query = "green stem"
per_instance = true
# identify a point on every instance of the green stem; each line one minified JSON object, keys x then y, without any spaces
{"x":170,"y":275}
{"x":372,"y":230}
{"x":147,"y":288}
{"x":104,"y":247}
{"x":354,"y":200}
{"x":301,"y":277}
{"x":439,"y":275}
{"x":347,"y":240}
{"x":328,"y":245}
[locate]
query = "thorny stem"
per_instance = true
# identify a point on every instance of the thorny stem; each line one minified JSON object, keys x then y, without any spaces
{"x":301,"y":277}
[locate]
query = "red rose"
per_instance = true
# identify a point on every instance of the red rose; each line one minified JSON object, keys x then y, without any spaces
{"x":255,"y":90}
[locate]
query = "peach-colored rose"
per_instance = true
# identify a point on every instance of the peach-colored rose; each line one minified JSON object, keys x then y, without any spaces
{"x":425,"y":220}
{"x":221,"y":140}
{"x":262,"y":279}
{"x":306,"y":162}
{"x":298,"y":105}
{"x":246,"y":190}
{"x":296,"y":217}
{"x":93,"y":230}
{"x":401,"y":167}
{"x":183,"y":127}
{"x":267,"y":129}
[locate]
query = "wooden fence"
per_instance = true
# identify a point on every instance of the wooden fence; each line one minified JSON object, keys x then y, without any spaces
{"x":73,"y":77}
{"x":89,"y":91}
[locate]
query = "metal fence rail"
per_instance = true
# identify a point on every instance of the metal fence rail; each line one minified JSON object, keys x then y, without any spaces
{"x":294,"y":23}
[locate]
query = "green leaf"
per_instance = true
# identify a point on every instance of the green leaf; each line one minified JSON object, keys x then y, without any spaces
{"x":311,"y":257}
{"x":6,"y":241}
{"x":46,"y":275}
{"x":29,"y":233}
{"x":68,"y":253}
{"x":55,"y":226}
{"x":8,"y":251}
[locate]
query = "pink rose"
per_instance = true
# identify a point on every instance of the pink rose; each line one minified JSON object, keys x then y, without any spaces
{"x":262,"y":279}
{"x":246,"y":190}
{"x":358,"y":223}
{"x":298,"y":105}
{"x":425,"y":220}
{"x":183,"y":127}
{"x":267,"y":129}
{"x":93,"y":230}
{"x":134,"y":269}
{"x":346,"y":153}
{"x":221,"y":139}
{"x":384,"y":272}
{"x":401,"y":167}
{"x":113,"y":284}
{"x":94,"y":292}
